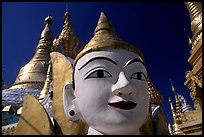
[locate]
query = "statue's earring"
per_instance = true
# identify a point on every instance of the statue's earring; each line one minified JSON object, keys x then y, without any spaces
{"x":70,"y":104}
{"x":73,"y":113}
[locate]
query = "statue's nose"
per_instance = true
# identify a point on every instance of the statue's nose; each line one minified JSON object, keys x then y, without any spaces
{"x":122,"y":86}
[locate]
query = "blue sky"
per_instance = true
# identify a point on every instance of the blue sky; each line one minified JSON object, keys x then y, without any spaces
{"x":157,"y":28}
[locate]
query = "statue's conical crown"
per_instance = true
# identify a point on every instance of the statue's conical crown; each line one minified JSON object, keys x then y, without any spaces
{"x":105,"y":38}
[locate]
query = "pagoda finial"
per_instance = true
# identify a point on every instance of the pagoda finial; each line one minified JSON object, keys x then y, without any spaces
{"x":67,"y":7}
{"x":172,"y":86}
{"x":48,"y":19}
{"x":50,"y":13}
{"x":47,"y":33}
{"x":66,"y":14}
{"x":67,"y":42}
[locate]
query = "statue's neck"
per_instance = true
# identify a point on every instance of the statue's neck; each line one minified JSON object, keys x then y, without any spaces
{"x":92,"y":131}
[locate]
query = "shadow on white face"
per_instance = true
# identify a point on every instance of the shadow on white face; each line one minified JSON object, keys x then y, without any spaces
{"x":111,"y":91}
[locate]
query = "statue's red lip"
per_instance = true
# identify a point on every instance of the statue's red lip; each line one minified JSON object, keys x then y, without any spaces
{"x":127,"y":105}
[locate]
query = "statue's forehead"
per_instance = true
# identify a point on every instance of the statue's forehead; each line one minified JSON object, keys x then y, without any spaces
{"x":118,"y":55}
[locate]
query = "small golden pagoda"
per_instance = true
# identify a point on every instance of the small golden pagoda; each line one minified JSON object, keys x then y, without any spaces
{"x":33,"y":74}
{"x":175,"y":126}
{"x":67,"y":43}
{"x":186,"y":121}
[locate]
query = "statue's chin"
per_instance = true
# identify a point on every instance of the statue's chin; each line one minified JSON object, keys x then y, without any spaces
{"x":118,"y":129}
{"x":120,"y":132}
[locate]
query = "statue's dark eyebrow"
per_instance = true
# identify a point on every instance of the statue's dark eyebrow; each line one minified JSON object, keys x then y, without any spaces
{"x":134,"y":60}
{"x":104,"y":58}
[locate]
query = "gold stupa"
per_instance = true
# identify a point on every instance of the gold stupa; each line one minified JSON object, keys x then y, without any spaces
{"x":33,"y":74}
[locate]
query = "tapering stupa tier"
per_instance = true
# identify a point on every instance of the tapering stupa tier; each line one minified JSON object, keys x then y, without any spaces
{"x":178,"y":104}
{"x":33,"y":74}
{"x":67,"y":43}
{"x":195,"y":11}
{"x":178,"y":110}
{"x":155,"y":97}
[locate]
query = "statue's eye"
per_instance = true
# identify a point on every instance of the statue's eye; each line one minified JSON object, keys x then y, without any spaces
{"x":139,"y":76}
{"x":99,"y":74}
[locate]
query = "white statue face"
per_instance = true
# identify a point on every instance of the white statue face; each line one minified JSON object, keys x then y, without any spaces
{"x":111,"y":91}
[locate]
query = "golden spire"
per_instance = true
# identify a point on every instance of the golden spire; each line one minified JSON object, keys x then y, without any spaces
{"x":179,"y":114}
{"x":178,"y":110}
{"x":67,"y":42}
{"x":66,"y":7}
{"x":172,"y":111}
{"x":105,"y":38}
{"x":33,"y":74}
{"x":176,"y":127}
{"x":195,"y":11}
{"x":172,"y":86}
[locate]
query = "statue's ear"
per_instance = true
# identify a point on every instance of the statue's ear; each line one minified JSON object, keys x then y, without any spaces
{"x":61,"y":74}
{"x":69,"y":103}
